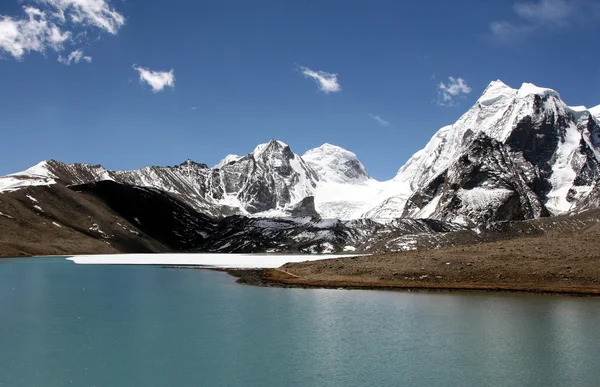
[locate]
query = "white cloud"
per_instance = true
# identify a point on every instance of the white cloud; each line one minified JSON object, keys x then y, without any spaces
{"x":194,"y":108}
{"x":552,"y":11}
{"x":97,"y":13}
{"x":54,"y":24}
{"x":379,"y":120}
{"x":455,"y":88}
{"x":507,"y":33}
{"x":328,"y":83}
{"x":33,"y":33}
{"x":157,"y":80}
{"x":541,"y":16}
{"x":74,"y":57}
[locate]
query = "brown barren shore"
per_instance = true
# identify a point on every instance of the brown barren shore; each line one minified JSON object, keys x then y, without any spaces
{"x":553,"y":263}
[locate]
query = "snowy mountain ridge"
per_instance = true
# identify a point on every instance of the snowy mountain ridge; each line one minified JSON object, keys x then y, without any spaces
{"x":549,"y":142}
{"x":516,"y":154}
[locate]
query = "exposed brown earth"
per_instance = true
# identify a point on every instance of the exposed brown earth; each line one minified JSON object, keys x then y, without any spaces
{"x":61,"y":221}
{"x":553,"y":263}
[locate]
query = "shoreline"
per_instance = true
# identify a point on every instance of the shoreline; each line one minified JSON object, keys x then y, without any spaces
{"x":276,"y":278}
{"x":424,"y":271}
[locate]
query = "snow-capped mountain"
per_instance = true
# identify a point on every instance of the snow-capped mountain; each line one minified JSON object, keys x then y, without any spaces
{"x":516,"y":154}
{"x":336,"y":165}
{"x":271,"y":180}
{"x":345,"y":190}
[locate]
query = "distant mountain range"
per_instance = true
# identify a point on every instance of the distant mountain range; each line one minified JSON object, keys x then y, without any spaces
{"x":517,"y":154}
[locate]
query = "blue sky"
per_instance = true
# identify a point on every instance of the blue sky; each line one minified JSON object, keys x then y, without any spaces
{"x":238,"y":73}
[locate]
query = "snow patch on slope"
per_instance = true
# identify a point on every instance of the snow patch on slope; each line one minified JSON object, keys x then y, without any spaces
{"x":480,"y":198}
{"x":41,"y":169}
{"x":595,"y":112}
{"x":6,"y":215}
{"x":563,"y":173}
{"x":15,"y":182}
{"x":228,"y":159}
{"x":353,"y":201}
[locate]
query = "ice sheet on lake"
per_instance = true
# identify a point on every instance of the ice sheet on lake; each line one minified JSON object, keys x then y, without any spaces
{"x":228,"y":261}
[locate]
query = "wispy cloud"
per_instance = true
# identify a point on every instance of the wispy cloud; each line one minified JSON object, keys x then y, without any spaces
{"x":194,"y":108}
{"x":97,"y":13}
{"x":379,"y":120}
{"x":157,"y":80}
{"x":74,"y":57}
{"x":547,"y":11}
{"x":34,"y":32}
{"x":449,"y":92}
{"x":328,"y":82}
{"x":541,"y":16}
{"x":54,"y":24}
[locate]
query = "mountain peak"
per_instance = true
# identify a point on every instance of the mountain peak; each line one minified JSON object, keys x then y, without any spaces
{"x":327,"y":147}
{"x":496,"y":91}
{"x":531,"y":89}
{"x":40,"y":169}
{"x":274,"y":145}
{"x":336,"y":164}
{"x":497,"y":84}
{"x":192,"y":163}
{"x":228,"y":159}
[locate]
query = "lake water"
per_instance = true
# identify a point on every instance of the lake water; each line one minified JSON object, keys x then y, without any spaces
{"x":63,"y":324}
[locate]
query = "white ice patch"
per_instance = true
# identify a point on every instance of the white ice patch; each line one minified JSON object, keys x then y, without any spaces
{"x":429,"y":209}
{"x":479,"y":198}
{"x":57,"y":225}
{"x":13,"y":183}
{"x":352,"y":201}
{"x":303,"y":188}
{"x":563,"y":173}
{"x":239,"y":261}
{"x":38,"y":208}
{"x":6,"y":215}
{"x":127,"y":229}
{"x":327,"y":248}
{"x":270,"y":214}
{"x":96,"y":227}
{"x":31,"y":198}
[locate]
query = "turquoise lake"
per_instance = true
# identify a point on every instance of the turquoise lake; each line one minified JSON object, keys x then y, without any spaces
{"x":63,"y":324}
